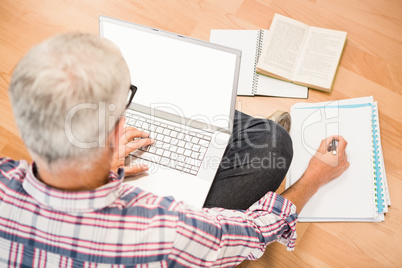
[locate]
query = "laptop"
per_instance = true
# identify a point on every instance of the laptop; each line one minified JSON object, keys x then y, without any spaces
{"x":185,"y":99}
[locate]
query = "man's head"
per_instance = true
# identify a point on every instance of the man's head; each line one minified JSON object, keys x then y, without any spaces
{"x":67,"y":94}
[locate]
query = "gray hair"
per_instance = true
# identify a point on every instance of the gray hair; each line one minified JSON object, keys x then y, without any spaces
{"x":67,"y":94}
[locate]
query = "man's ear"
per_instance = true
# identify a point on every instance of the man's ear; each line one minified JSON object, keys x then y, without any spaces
{"x":116,"y":133}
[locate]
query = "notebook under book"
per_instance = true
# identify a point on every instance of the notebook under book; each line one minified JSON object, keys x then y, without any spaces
{"x":361,"y":192}
{"x":251,"y":83}
{"x":185,"y":99}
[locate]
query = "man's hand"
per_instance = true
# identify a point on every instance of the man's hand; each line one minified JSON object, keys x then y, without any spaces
{"x":325,"y":166}
{"x":322,"y":168}
{"x":130,"y":140}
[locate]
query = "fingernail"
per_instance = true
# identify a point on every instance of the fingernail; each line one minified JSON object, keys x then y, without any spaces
{"x":145,"y":168}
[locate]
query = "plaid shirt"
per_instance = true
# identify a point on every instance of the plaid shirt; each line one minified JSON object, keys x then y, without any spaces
{"x":118,"y":225}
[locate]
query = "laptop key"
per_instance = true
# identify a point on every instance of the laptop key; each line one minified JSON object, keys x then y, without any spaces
{"x":152,"y":149}
{"x":138,"y":124}
{"x":159,"y":130}
{"x":179,"y":167}
{"x":172,"y":163}
{"x":181,"y":143}
{"x":203,"y":142}
{"x":164,"y":161}
{"x":166,"y":154}
{"x":151,"y":157}
{"x":195,"y":155}
{"x":181,"y":159}
{"x":187,"y":152}
{"x":174,"y":141}
{"x":208,"y":138}
{"x":159,"y":137}
{"x":167,"y":139}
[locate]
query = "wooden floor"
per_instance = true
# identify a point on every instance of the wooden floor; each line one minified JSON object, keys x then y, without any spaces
{"x":371,"y":65}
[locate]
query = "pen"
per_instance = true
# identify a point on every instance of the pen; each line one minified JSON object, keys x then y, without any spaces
{"x":332,"y":146}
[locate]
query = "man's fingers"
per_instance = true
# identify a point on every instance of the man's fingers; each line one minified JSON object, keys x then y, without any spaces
{"x":325,"y":143}
{"x":345,"y":159}
{"x":133,"y":133}
{"x":342,"y":157}
{"x":342,"y":143}
{"x":135,"y":169}
{"x":138,"y":143}
{"x":347,"y":165}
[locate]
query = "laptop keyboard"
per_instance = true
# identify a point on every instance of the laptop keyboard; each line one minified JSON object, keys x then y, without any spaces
{"x":174,"y":147}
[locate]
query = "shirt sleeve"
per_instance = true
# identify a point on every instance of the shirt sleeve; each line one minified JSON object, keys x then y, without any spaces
{"x":11,"y":169}
{"x":217,"y":237}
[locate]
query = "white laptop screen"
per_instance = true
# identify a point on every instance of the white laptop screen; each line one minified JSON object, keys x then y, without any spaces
{"x":175,"y":74}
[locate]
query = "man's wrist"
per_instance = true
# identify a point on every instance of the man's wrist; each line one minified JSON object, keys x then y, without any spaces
{"x":312,"y":178}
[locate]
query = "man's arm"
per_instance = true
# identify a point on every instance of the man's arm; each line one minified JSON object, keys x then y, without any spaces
{"x":323,"y":168}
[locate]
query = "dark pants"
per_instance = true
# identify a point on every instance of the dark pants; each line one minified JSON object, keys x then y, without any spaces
{"x":255,"y":162}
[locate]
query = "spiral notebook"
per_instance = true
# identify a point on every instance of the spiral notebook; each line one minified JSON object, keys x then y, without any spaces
{"x":361,"y":192}
{"x":250,"y":83}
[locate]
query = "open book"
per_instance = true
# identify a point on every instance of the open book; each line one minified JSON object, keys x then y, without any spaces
{"x":361,"y":192}
{"x":250,"y":83}
{"x":301,"y":54}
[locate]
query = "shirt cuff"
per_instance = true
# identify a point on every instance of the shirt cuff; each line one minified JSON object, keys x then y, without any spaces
{"x":284,"y":209}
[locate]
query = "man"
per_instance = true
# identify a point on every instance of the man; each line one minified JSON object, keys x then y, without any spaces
{"x":69,"y":208}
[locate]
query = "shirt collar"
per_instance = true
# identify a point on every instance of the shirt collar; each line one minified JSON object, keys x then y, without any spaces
{"x":73,"y":202}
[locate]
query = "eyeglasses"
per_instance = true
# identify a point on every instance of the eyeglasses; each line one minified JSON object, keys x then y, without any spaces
{"x":130,"y":96}
{"x":131,"y":93}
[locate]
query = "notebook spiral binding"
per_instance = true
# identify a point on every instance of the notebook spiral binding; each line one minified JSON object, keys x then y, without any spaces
{"x":376,"y":160}
{"x":260,"y":39}
{"x":372,"y":160}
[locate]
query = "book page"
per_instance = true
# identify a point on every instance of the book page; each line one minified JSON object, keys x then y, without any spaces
{"x":320,"y":57}
{"x":280,"y":53}
{"x":246,"y":41}
{"x":268,"y":86}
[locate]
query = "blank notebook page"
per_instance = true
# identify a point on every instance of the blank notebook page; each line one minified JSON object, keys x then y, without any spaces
{"x":350,"y":195}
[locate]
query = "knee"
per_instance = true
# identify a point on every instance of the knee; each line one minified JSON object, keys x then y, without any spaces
{"x":262,"y":137}
{"x":280,"y":141}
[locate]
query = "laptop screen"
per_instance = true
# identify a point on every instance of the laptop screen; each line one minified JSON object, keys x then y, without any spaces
{"x":176,"y":74}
